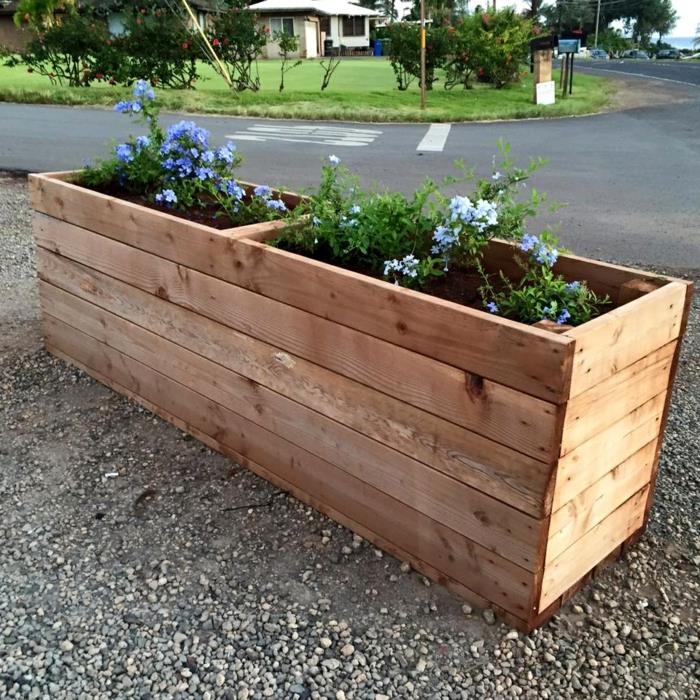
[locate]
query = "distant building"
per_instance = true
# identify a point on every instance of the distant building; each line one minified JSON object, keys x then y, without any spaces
{"x":318,"y":23}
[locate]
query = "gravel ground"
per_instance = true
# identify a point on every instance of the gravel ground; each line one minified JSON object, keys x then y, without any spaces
{"x":136,"y":563}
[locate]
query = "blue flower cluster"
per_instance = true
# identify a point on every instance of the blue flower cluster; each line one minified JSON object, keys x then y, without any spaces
{"x":142,"y":92}
{"x":406,"y":267}
{"x":549,"y":313}
{"x":541,"y":251}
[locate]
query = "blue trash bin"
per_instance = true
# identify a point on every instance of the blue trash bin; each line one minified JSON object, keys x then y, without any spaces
{"x":377,"y":47}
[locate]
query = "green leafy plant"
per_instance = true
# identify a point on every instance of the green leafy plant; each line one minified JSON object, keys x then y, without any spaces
{"x":238,"y":40}
{"x":541,"y":294}
{"x":404,"y":52}
{"x":179,"y":170}
{"x":70,"y":52}
{"x":288,"y":44}
{"x":157,"y":46}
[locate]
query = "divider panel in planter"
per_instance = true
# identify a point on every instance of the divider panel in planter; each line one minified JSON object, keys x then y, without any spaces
{"x":441,"y":433}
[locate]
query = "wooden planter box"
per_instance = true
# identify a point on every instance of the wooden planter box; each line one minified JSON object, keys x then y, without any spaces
{"x":504,"y":461}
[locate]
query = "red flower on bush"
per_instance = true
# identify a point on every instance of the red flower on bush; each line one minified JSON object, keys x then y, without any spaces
{"x":99,"y":76}
{"x":226,"y":42}
{"x":185,"y":45}
{"x":482,"y":72}
{"x":216,"y":42}
{"x":485,"y":18}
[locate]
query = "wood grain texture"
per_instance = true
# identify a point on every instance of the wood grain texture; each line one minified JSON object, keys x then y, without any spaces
{"x":624,"y":335}
{"x":591,"y":460}
{"x":493,"y":524}
{"x":471,"y":340}
{"x":612,"y":399}
{"x":574,"y":519}
{"x":505,"y":415}
{"x":577,"y":560}
{"x":488,"y":574}
{"x":506,"y":474}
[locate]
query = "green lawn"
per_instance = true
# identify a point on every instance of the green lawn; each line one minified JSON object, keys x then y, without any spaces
{"x":361,"y":90}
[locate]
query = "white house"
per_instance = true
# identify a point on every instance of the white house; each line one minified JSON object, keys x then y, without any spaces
{"x":313,"y":21}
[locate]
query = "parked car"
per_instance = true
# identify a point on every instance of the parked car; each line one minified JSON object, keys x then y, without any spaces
{"x":669,"y":53}
{"x":599,"y":54}
{"x":635,"y":53}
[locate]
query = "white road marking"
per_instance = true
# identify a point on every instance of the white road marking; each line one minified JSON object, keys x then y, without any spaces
{"x":435,"y":138}
{"x":308,"y":133}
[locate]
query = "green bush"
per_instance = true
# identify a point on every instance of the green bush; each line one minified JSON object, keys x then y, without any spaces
{"x":238,"y":41}
{"x":404,"y":52}
{"x":158,"y":46}
{"x":70,"y":52}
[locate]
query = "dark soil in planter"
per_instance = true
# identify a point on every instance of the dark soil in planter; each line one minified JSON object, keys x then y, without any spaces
{"x":461,"y":287}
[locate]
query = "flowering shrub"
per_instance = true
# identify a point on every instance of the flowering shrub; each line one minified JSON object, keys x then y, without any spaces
{"x":179,"y":169}
{"x":69,"y":52}
{"x":413,"y":240}
{"x":405,"y":52}
{"x":238,"y":40}
{"x":540,"y":293}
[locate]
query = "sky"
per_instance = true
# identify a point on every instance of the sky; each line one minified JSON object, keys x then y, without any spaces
{"x":688,"y":15}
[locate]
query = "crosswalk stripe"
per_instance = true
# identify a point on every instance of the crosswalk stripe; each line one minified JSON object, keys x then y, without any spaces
{"x":435,"y":138}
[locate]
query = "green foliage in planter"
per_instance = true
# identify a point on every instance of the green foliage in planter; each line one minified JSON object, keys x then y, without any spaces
{"x":238,"y":40}
{"x":411,"y":240}
{"x":179,"y":170}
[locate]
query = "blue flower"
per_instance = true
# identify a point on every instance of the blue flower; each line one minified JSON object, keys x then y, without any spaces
{"x":135,"y":106}
{"x":407,"y":267}
{"x":262,"y":191}
{"x":492,"y":306}
{"x":233,"y":189}
{"x":277,"y":204}
{"x":528,"y":243}
{"x":316,"y":221}
{"x":142,"y":142}
{"x":355,"y":209}
{"x":563,"y":317}
{"x":334,"y":160}
{"x":122,"y":107}
{"x":573,"y":286}
{"x":546,"y":255}
{"x":204,"y":173}
{"x":142,"y":88}
{"x":167,"y":196}
{"x":227,"y":153}
{"x":496,"y":176}
{"x":124,"y":153}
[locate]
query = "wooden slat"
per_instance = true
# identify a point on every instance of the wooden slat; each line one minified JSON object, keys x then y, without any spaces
{"x":624,"y":335}
{"x":491,"y":523}
{"x":597,"y":543}
{"x":510,"y":353}
{"x":484,"y":464}
{"x":602,"y":405}
{"x":591,"y":460}
{"x":578,"y":516}
{"x":486,"y":573}
{"x":505,"y":415}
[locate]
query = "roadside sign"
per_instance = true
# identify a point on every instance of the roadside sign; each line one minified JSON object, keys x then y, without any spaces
{"x":569,"y":45}
{"x":544,"y":93}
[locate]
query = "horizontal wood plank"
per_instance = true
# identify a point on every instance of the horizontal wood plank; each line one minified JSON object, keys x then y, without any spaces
{"x":474,"y":341}
{"x":512,"y":418}
{"x":578,"y":516}
{"x":624,"y":335}
{"x":594,"y":458}
{"x":491,"y":523}
{"x":602,"y":405}
{"x":483,"y":571}
{"x":577,"y":560}
{"x":506,"y":474}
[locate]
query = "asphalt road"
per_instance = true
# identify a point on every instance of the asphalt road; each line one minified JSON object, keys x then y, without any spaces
{"x":679,"y":72}
{"x":630,"y":179}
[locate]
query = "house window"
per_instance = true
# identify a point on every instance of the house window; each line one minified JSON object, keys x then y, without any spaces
{"x":353,"y":26}
{"x":282,"y":24}
{"x":324,"y":22}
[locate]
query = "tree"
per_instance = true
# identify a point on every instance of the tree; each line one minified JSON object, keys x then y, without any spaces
{"x":567,"y":15}
{"x":533,"y":9}
{"x":696,"y":42}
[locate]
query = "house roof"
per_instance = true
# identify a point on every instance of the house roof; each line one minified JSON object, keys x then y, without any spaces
{"x":315,"y":7}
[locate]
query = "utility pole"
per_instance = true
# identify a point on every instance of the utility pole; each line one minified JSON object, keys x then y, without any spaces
{"x":422,"y":54}
{"x":597,"y":23}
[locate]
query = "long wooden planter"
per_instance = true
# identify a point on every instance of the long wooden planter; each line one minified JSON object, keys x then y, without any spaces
{"x":504,"y":461}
